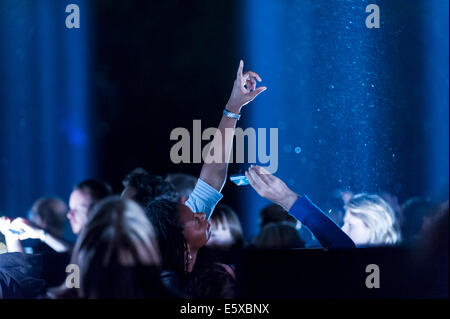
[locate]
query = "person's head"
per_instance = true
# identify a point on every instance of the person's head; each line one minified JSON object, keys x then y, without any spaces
{"x":82,"y":199}
{"x":180,"y":232}
{"x":434,"y":237}
{"x":184,"y":184}
{"x":226,"y":229}
{"x":430,"y":256}
{"x":417,"y":213}
{"x":117,"y":253}
{"x":369,"y":220}
{"x":49,"y":214}
{"x":144,"y":187}
{"x":275,"y":214}
{"x":196,"y":227}
{"x":217,"y":281}
{"x":278,"y":235}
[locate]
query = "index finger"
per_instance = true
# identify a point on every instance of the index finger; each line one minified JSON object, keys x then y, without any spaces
{"x":262,"y":170}
{"x":263,"y":174}
{"x":240,"y":68}
{"x":253,"y":183}
{"x":252,"y":171}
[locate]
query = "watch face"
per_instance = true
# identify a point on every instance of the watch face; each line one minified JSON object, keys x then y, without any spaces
{"x":232,"y":115}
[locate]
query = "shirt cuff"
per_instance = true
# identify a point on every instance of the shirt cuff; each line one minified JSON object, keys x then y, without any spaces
{"x":203,"y":199}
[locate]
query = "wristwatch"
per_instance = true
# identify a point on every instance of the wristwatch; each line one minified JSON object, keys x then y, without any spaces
{"x":231,"y":115}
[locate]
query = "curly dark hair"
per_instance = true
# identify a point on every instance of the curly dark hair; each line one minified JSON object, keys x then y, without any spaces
{"x":163,"y":214}
{"x":149,"y":187}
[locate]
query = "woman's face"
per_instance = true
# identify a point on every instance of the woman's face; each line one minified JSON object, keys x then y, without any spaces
{"x":196,"y":227}
{"x":79,"y":203}
{"x":356,"y":229}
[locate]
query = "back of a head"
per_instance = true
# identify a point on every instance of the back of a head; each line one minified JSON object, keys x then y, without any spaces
{"x":414,"y":211}
{"x":50,"y":214}
{"x":378,"y":216}
{"x":163,"y":214}
{"x":224,"y":216}
{"x":432,"y":262}
{"x":279,"y":235}
{"x":97,"y":189}
{"x":274,"y":214}
{"x":148,"y":187}
{"x":184,"y":184}
{"x":117,"y":253}
{"x":212,"y":282}
{"x":435,"y":235}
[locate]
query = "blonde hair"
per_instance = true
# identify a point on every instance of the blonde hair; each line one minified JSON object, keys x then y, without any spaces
{"x":378,"y":216}
{"x":225,"y":215}
{"x":117,"y":239}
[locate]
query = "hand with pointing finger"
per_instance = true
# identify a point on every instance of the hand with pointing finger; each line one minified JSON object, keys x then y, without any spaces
{"x":244,"y":89}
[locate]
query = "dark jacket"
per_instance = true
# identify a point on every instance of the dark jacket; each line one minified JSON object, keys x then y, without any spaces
{"x":20,"y":276}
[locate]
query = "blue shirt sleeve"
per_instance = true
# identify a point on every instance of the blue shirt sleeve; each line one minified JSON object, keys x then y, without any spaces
{"x":324,"y":229}
{"x":203,"y":199}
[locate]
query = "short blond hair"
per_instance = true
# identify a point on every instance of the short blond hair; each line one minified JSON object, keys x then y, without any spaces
{"x":378,"y":216}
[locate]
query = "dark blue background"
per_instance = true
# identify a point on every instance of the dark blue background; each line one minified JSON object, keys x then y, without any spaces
{"x":367,"y":107}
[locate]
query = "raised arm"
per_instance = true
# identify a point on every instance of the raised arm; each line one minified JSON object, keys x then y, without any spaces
{"x":301,"y":207}
{"x":24,"y":230}
{"x":28,"y":231}
{"x":244,"y":91}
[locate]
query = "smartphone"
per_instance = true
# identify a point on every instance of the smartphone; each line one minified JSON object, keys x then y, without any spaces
{"x":239,"y":179}
{"x":17,"y":231}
